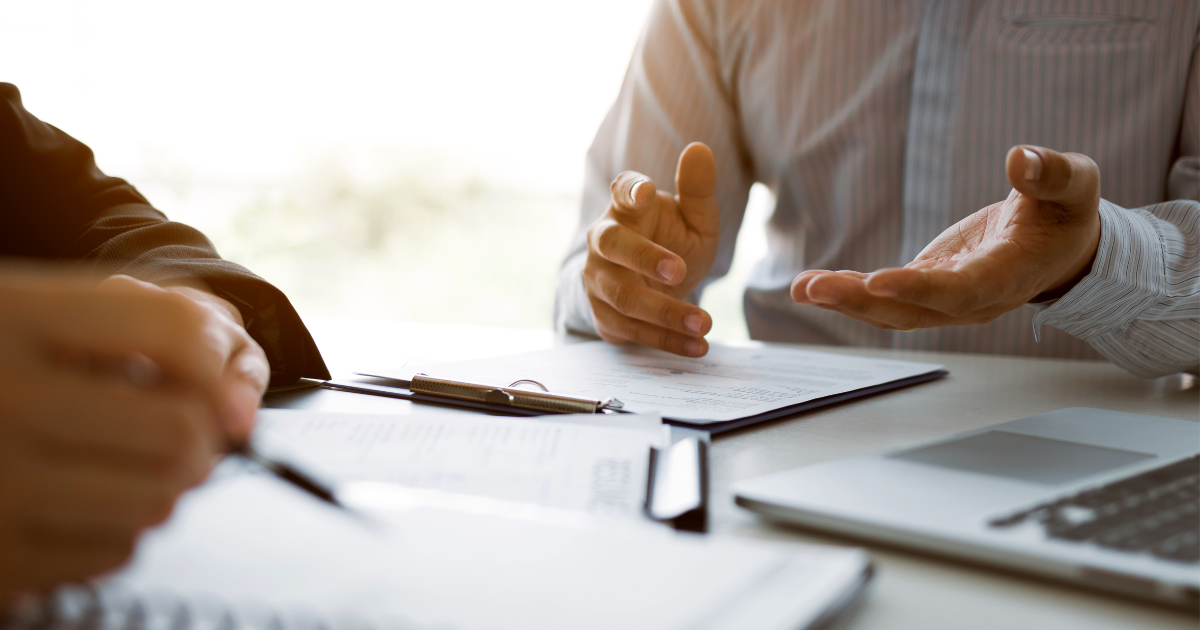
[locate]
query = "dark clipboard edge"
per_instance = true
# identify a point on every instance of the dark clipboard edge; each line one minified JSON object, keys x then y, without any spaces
{"x":714,"y":428}
{"x":695,"y":519}
{"x":717,"y":428}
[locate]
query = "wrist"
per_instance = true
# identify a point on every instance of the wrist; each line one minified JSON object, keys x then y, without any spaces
{"x":1076,"y":272}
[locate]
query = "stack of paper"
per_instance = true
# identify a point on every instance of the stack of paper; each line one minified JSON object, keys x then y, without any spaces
{"x":589,"y":463}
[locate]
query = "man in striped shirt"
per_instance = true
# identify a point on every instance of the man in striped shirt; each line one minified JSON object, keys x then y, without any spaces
{"x":1023,"y":164}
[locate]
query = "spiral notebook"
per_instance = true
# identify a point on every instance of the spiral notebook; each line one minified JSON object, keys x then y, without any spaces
{"x":247,"y":552}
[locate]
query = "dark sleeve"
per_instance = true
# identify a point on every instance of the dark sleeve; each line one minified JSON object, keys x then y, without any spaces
{"x":57,"y":205}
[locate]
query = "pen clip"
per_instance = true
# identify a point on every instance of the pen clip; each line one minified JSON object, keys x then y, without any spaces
{"x":511,"y":396}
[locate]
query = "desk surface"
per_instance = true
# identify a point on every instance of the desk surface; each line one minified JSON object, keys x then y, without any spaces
{"x":912,"y":591}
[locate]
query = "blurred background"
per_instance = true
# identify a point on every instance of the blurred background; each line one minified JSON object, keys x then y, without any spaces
{"x":410,"y":160}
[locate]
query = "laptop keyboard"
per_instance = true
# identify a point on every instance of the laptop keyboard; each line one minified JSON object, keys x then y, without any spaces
{"x":1155,"y":512}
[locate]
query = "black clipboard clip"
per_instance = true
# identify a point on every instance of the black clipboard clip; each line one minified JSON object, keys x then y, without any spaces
{"x":677,"y":485}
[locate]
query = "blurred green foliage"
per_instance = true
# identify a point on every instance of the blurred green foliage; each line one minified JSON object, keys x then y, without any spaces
{"x":416,"y":237}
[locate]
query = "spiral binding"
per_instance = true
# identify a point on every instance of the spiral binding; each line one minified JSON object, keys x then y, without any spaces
{"x":86,"y":607}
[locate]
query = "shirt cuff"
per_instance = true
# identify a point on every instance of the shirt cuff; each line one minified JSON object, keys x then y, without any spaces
{"x":572,"y":311}
{"x":1127,"y":278}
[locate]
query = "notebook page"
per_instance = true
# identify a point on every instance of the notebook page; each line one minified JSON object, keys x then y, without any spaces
{"x":256,"y":544}
{"x":561,"y":464}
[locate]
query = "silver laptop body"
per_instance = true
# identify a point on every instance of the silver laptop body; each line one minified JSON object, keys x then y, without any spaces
{"x":1091,"y":496}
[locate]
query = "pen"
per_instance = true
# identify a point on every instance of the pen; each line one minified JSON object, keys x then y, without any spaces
{"x":143,"y":373}
{"x":288,"y":473}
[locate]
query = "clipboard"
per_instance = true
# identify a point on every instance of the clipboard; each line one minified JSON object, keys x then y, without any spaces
{"x":523,"y":402}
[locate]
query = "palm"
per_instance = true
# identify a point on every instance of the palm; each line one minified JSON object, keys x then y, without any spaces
{"x":1010,"y":238}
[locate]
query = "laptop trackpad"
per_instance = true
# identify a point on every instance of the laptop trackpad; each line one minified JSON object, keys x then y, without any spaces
{"x":1025,"y":457}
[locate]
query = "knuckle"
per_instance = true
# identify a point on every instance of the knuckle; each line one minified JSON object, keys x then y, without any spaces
{"x":666,"y":315}
{"x":622,"y":297}
{"x":185,"y":317}
{"x":591,"y":275}
{"x":608,"y":237}
{"x":662,"y":339}
{"x":646,"y":258}
{"x":593,"y":233}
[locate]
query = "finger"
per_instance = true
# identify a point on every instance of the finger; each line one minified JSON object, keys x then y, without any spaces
{"x":849,"y":296}
{"x":632,"y":299}
{"x":51,"y":558}
{"x":632,"y":195}
{"x":799,"y":288}
{"x":77,"y":415}
{"x":614,"y":323}
{"x":1071,"y":180}
{"x":170,"y":329}
{"x":800,"y":285}
{"x":696,"y":186}
{"x":948,"y":291}
{"x":76,"y":496}
{"x":246,"y":380}
{"x":124,"y":283}
{"x":631,"y":250}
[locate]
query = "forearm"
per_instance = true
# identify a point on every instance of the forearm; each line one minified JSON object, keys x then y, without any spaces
{"x":1140,"y":305}
{"x":60,"y":206}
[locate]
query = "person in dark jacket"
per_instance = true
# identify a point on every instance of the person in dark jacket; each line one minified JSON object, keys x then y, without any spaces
{"x":131,"y":355}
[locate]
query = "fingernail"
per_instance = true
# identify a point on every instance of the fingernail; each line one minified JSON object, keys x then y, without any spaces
{"x":694,"y":348}
{"x":667,"y":268}
{"x":633,"y":192}
{"x":693,"y":322}
{"x":1033,"y":165}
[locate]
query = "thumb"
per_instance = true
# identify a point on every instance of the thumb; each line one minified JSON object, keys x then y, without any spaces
{"x":1072,"y":180}
{"x":245,"y":380}
{"x":696,"y":185}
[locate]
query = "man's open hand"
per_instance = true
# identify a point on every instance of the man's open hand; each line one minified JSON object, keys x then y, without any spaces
{"x":1039,"y":242}
{"x":648,"y":251}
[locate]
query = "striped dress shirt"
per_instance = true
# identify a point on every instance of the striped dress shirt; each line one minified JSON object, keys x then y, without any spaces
{"x":878,"y":124}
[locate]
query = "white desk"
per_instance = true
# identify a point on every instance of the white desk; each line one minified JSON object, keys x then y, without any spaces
{"x":911,"y":590}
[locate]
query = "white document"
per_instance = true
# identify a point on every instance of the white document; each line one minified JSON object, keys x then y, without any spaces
{"x":246,"y":551}
{"x":569,"y":462}
{"x":726,"y":384}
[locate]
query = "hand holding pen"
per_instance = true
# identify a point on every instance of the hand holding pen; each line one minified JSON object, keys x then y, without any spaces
{"x":116,"y":399}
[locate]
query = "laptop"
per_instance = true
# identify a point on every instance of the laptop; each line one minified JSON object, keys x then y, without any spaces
{"x":1101,"y":498}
